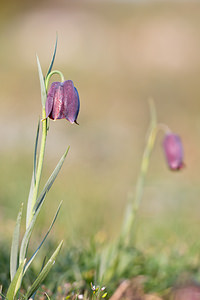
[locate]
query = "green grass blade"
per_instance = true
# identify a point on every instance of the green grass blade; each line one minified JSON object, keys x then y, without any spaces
{"x":33,"y":180}
{"x":37,"y":250}
{"x":15,"y":245}
{"x":39,"y":202}
{"x":30,"y":197}
{"x":50,"y":181}
{"x":134,"y":203}
{"x":42,"y":84}
{"x":48,"y":298}
{"x":53,"y":58}
{"x":2,"y":296}
{"x":35,"y":151}
{"x":26,"y":237}
{"x":28,"y":232}
{"x":16,"y":282}
{"x":43,"y":264}
{"x":44,"y":272}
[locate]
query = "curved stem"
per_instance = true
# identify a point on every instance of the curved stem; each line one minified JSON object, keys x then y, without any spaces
{"x":51,"y":74}
{"x":164,"y":128}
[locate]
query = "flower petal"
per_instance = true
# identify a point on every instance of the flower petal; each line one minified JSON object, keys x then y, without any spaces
{"x":50,"y":99}
{"x":63,"y":101}
{"x":71,"y":101}
{"x":173,"y":151}
{"x":57,"y":110}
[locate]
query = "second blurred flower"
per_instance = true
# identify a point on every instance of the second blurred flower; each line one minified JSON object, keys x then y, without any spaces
{"x":173,"y":151}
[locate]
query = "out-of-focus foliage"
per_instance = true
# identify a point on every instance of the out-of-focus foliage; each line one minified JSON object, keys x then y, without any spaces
{"x":117,"y":55}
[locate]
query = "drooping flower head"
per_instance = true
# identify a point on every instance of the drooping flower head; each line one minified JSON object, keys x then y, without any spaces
{"x":62,"y":101}
{"x":173,"y":151}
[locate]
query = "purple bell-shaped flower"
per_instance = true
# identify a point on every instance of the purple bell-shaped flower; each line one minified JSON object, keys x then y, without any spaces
{"x":173,"y":151}
{"x":63,"y":101}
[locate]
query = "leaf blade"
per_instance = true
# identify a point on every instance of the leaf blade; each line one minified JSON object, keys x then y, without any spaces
{"x":42,"y":84}
{"x":26,"y":237}
{"x":15,"y":245}
{"x":42,"y":242}
{"x":35,"y":151}
{"x":16,"y":282}
{"x":53,"y":58}
{"x":38,"y":205}
{"x":33,"y":180}
{"x":51,"y":180}
{"x":44,"y":272}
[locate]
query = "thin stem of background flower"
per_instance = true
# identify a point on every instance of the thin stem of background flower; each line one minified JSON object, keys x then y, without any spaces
{"x":134,"y":205}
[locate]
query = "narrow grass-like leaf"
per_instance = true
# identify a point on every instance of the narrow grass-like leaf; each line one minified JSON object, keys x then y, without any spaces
{"x":44,"y":272}
{"x":37,"y":250}
{"x":35,"y":151}
{"x":108,"y":262}
{"x":28,"y":232}
{"x":50,"y":181}
{"x":15,"y":245}
{"x":42,"y":84}
{"x":40,"y":201}
{"x":26,"y":237}
{"x":53,"y":58}
{"x":16,"y":282}
{"x":29,"y":202}
{"x":33,"y":180}
{"x":2,"y":295}
{"x":48,"y":298}
{"x":43,"y":264}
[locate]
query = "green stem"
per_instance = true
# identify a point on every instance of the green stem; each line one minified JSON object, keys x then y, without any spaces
{"x":49,"y":76}
{"x":144,"y":169}
{"x":40,"y":163}
{"x":42,"y":147}
{"x":134,"y":205}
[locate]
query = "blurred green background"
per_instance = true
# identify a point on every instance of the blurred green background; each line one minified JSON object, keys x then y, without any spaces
{"x":118,"y":54}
